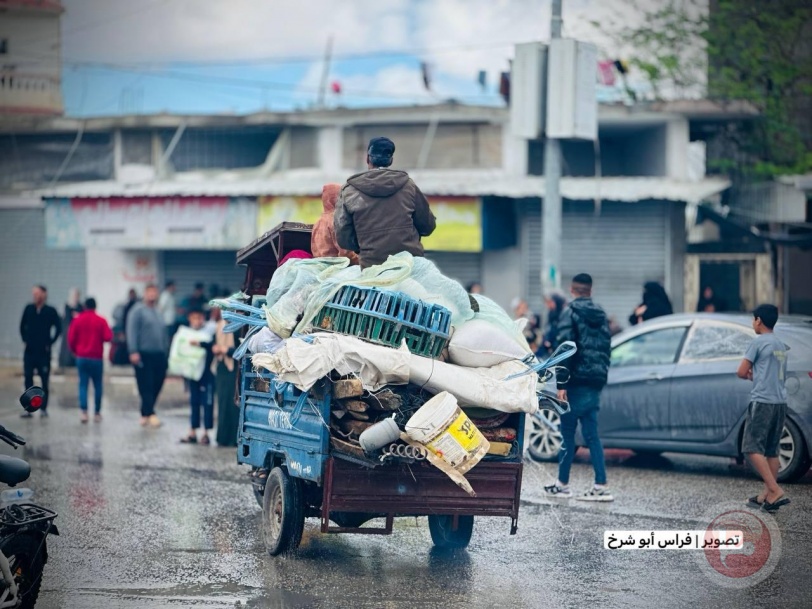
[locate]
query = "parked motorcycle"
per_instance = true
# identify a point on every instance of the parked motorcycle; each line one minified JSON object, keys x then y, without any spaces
{"x":24,"y":526}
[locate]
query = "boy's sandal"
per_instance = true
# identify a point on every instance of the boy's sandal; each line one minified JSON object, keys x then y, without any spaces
{"x":773,"y":507}
{"x":189,"y":440}
{"x":205,"y":441}
{"x":754,"y":502}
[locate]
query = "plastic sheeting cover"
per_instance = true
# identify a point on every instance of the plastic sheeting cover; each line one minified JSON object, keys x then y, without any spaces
{"x":304,"y":362}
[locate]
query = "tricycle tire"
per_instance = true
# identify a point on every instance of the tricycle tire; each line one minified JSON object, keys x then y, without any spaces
{"x":443,"y":534}
{"x":282,"y":512}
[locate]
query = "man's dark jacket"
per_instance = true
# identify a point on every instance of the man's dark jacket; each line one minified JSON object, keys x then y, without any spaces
{"x":382,"y":212}
{"x":585,"y":323}
{"x":40,"y":329}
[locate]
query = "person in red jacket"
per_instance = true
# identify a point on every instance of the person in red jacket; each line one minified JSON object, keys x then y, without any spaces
{"x":86,"y":337}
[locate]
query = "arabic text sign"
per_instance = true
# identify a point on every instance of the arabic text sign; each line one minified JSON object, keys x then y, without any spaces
{"x":673,"y":540}
{"x":459,"y":219}
{"x":149,"y":222}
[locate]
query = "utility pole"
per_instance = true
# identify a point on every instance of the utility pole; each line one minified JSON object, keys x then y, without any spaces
{"x":551,"y":205}
{"x":325,"y":73}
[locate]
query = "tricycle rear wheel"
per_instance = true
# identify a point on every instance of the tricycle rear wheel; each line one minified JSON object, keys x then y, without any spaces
{"x":444,"y":535}
{"x":282,"y":513}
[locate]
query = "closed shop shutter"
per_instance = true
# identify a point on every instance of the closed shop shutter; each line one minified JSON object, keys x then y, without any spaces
{"x":26,"y":262}
{"x":622,"y":247}
{"x":206,"y":266}
{"x":464,"y":267}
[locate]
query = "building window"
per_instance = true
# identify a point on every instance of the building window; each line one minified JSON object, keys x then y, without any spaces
{"x":3,"y":46}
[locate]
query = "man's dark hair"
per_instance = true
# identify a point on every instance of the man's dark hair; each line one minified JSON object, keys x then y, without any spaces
{"x":582,"y":284}
{"x":197,"y":311}
{"x":767,"y":313}
{"x":200,"y":286}
{"x":41,"y":287}
{"x":90,"y":304}
{"x":169,"y":283}
{"x":380,"y":151}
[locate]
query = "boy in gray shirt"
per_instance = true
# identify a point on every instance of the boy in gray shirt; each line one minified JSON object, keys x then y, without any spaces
{"x":765,"y":363}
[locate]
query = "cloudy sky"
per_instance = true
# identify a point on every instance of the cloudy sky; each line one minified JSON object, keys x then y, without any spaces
{"x":240,"y":56}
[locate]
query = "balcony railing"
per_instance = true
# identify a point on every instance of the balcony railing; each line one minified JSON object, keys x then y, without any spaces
{"x":30,"y":93}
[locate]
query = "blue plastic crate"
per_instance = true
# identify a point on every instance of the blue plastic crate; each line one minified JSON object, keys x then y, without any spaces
{"x":387,"y":318}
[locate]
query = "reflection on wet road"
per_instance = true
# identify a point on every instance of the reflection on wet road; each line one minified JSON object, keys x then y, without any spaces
{"x":148,"y":522}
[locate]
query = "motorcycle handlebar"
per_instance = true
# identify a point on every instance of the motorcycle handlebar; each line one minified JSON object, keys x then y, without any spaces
{"x":11,"y":438}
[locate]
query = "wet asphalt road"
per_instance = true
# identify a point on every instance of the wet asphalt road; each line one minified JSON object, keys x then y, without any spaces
{"x":147,"y":522}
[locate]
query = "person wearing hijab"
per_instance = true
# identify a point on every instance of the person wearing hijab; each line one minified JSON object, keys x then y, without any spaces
{"x":72,"y":309}
{"x":323,"y":242}
{"x":556,"y":302}
{"x":655,"y":304}
{"x":225,"y":380}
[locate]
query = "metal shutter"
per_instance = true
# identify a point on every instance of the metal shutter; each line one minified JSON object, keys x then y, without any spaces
{"x":464,"y":267}
{"x":209,"y":267}
{"x":622,"y":248}
{"x":26,"y":261}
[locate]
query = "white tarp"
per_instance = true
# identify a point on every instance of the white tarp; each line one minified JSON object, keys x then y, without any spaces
{"x":303,"y":363}
{"x":482,"y":387}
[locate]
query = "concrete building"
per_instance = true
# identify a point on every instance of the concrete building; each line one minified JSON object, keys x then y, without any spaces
{"x":30,"y":68}
{"x":112,"y":203}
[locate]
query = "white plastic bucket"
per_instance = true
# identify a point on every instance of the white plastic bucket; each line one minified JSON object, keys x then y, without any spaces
{"x":442,"y":427}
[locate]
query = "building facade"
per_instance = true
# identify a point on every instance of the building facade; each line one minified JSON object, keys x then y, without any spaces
{"x":146,"y":199}
{"x":30,"y":68}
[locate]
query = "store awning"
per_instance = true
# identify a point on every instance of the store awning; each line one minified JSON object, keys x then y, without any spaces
{"x":304,"y":182}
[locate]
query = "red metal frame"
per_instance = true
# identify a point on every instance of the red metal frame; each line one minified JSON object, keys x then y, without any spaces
{"x":418,"y":490}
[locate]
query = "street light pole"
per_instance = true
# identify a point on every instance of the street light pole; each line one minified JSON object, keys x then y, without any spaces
{"x":551,"y":205}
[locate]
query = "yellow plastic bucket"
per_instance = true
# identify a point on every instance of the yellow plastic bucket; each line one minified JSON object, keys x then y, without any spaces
{"x":442,"y":427}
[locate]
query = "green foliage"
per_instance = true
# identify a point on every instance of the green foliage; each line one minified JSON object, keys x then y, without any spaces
{"x":752,"y":50}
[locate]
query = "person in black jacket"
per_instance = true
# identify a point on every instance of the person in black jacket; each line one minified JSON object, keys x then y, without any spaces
{"x":655,"y":304}
{"x":40,"y":328}
{"x":584,"y":323}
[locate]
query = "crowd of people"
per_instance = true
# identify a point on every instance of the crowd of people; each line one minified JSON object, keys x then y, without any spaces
{"x":141,"y":335}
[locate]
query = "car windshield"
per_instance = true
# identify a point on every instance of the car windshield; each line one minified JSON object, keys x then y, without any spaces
{"x":650,"y":349}
{"x":723,"y":341}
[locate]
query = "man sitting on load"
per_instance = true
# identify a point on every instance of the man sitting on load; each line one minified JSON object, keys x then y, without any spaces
{"x":382,"y":211}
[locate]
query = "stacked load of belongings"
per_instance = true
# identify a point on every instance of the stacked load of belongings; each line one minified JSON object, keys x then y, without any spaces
{"x":420,"y":369}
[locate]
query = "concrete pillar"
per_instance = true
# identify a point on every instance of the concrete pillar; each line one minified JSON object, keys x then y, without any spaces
{"x":677,"y":139}
{"x":330,"y":148}
{"x":514,"y":153}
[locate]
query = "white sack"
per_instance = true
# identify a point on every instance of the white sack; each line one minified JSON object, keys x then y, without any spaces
{"x":185,"y":359}
{"x":478,"y":386}
{"x":303,"y":363}
{"x":481,"y":344}
{"x":265,"y":341}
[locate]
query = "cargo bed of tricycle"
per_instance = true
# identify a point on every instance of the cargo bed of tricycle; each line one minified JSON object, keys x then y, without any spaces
{"x":284,"y":435}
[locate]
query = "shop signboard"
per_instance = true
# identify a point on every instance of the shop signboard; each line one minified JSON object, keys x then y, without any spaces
{"x":459,"y":219}
{"x":150,"y":223}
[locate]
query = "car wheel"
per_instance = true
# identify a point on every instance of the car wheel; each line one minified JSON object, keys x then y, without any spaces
{"x":545,"y":436}
{"x":793,"y":458}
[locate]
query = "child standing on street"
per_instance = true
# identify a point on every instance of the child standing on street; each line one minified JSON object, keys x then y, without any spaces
{"x":201,"y":392}
{"x":765,"y":363}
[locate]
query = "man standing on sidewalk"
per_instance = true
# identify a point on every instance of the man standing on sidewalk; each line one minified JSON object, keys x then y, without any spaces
{"x":147,"y":344}
{"x":40,"y":326}
{"x":584,"y":323}
{"x":86,"y":337}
